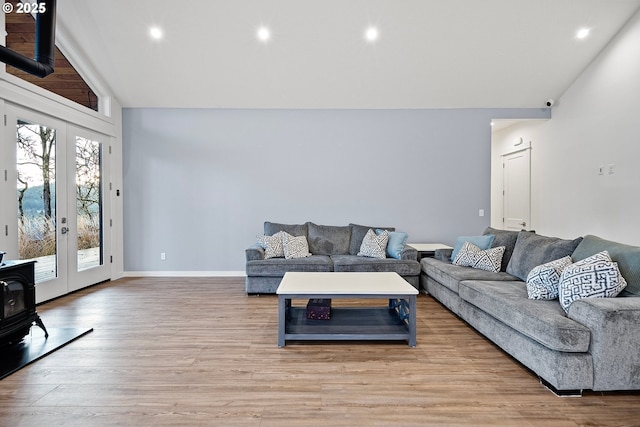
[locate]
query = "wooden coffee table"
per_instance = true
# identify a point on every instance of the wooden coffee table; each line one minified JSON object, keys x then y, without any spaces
{"x":395,"y":321}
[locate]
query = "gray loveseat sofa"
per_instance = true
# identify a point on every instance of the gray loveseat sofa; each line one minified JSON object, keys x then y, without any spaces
{"x":333,"y":248}
{"x":594,"y":345}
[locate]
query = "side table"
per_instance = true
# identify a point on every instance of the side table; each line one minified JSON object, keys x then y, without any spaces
{"x":427,"y":249}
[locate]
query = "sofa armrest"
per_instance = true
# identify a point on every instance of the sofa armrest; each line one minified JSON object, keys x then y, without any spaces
{"x":410,"y":253}
{"x":443,"y":254}
{"x":255,"y":252}
{"x":615,"y":340}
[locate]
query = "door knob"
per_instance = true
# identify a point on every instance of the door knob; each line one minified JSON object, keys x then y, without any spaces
{"x":524,"y":224}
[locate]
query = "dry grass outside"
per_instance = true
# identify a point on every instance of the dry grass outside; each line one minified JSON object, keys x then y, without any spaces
{"x":88,"y":233}
{"x":37,"y":236}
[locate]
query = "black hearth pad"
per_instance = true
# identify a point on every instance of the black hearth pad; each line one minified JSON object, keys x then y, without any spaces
{"x":34,"y":346}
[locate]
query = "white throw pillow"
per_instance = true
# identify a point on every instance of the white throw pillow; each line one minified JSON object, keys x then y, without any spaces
{"x":272,"y":245}
{"x":543,"y":280}
{"x":374,"y":246}
{"x":594,"y":277}
{"x":472,"y":256}
{"x":295,"y":246}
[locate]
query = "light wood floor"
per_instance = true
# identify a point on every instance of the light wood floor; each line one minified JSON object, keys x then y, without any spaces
{"x":191,"y":352}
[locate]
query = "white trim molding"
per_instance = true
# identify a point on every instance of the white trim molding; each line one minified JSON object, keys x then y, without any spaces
{"x":184,"y":274}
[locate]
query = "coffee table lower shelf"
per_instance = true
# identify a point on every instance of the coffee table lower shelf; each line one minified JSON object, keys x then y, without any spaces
{"x":347,"y":323}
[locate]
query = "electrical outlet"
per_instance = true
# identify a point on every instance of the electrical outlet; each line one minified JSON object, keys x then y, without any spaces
{"x":611,"y":169}
{"x":481,"y":212}
{"x":163,"y":256}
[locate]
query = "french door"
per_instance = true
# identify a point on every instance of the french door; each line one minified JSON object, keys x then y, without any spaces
{"x":55,"y":205}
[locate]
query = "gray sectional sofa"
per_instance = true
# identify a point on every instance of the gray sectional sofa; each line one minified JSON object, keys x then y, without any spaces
{"x":333,"y":248}
{"x":595,"y":345}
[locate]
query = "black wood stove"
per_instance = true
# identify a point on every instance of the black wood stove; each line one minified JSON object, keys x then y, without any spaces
{"x":18,"y":304}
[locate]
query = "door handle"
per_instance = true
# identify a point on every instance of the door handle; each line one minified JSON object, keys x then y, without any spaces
{"x":524,"y":224}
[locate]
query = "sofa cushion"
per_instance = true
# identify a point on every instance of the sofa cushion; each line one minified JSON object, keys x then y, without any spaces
{"x":627,"y":257}
{"x":533,"y":249}
{"x":482,"y":242}
{"x":472,"y":256}
{"x":357,"y":234}
{"x":328,"y":239}
{"x":450,"y":275}
{"x":506,"y":238}
{"x":358,"y":263}
{"x":276,"y":267}
{"x":543,"y":280}
{"x":593,"y":277}
{"x":374,"y":245}
{"x":271,"y":228}
{"x":542,"y":321}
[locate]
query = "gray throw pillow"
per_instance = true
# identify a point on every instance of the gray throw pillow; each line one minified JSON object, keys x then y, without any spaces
{"x":533,"y":249}
{"x":506,"y":238}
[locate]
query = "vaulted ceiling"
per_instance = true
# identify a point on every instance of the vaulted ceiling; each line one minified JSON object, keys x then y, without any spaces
{"x":429,"y":53}
{"x":65,"y":81}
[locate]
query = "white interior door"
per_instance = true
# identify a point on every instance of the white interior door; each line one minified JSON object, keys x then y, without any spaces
{"x":54,"y":206}
{"x":517,"y":190}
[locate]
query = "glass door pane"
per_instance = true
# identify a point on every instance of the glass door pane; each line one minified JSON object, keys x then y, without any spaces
{"x":39,"y":202}
{"x":36,"y":195}
{"x":89,"y":236}
{"x":89,"y":222}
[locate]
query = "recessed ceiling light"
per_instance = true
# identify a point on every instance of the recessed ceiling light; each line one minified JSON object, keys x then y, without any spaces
{"x":156,"y":33}
{"x":583,"y":33}
{"x":371,"y":34}
{"x":263,"y":34}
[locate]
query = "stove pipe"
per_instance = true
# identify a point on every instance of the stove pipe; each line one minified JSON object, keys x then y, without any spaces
{"x":45,"y":48}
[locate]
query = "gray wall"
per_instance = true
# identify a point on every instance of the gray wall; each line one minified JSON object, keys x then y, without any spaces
{"x":199,"y":183}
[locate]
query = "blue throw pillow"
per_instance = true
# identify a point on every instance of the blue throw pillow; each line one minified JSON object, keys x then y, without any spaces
{"x":483,"y":242}
{"x":396,"y":243}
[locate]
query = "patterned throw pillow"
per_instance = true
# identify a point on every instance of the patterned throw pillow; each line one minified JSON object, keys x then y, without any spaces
{"x":295,"y":246}
{"x":543,"y":280}
{"x":472,"y":256}
{"x":272,"y":245}
{"x":482,"y":242}
{"x":594,"y":277}
{"x":374,"y":246}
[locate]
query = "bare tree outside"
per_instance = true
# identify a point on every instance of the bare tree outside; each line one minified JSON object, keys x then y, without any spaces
{"x":88,"y":162}
{"x":36,"y":148}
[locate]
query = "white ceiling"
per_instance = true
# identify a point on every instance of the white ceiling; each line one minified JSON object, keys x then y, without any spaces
{"x":430,"y":54}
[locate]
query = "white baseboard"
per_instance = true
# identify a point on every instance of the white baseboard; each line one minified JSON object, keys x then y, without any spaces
{"x":184,"y":274}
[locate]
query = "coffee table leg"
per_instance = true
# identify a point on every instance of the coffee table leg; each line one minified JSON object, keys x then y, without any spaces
{"x":281,"y":320}
{"x":412,"y":321}
{"x":284,"y":304}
